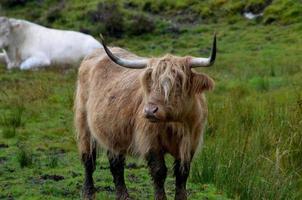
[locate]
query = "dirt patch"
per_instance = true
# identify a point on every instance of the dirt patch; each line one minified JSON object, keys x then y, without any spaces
{"x":2,"y":146}
{"x":52,"y":177}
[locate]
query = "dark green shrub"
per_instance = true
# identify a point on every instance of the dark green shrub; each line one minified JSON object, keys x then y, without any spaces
{"x":12,"y":3}
{"x":257,"y":6}
{"x":141,"y":24}
{"x":55,"y":12}
{"x":108,"y":19}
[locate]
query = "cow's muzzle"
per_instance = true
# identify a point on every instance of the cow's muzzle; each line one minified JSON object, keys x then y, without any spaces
{"x":150,"y":112}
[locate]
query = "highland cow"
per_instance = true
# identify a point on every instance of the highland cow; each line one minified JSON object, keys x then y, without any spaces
{"x":144,"y":106}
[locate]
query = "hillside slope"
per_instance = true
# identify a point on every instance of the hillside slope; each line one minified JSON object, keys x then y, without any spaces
{"x":120,"y":18}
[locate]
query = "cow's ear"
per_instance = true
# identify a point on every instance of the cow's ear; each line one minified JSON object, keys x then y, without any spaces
{"x":202,"y":82}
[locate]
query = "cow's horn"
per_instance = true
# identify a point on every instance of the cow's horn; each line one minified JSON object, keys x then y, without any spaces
{"x":205,"y":62}
{"x":132,"y":64}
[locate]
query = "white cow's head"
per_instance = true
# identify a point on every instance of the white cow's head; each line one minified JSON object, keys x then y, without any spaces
{"x":5,"y":29}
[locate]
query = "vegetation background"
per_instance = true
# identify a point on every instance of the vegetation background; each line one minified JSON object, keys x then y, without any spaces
{"x":253,"y":139}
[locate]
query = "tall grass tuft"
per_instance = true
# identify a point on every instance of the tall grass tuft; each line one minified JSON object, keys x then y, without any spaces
{"x":253,"y":147}
{"x":11,"y":121}
{"x":24,"y":157}
{"x":53,"y":160}
{"x":9,"y":132}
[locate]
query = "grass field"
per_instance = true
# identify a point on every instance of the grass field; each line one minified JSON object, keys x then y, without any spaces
{"x":253,"y":139}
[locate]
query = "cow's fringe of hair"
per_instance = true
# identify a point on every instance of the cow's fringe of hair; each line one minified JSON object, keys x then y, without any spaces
{"x":166,"y":74}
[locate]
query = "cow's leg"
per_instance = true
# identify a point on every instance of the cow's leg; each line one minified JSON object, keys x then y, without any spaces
{"x":117,"y":166}
{"x":89,"y":159}
{"x":86,"y":144}
{"x":35,"y":62}
{"x":10,"y":59}
{"x":181,"y":173}
{"x":10,"y":64}
{"x":2,"y":58}
{"x":158,"y":171}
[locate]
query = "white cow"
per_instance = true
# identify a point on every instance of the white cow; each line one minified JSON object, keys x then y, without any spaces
{"x":27,"y":45}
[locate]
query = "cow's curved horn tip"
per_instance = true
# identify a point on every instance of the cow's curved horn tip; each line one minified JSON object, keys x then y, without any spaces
{"x":102,"y":38}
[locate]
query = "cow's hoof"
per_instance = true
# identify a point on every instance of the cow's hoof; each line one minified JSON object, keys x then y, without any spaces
{"x":181,"y":196}
{"x":89,"y":196}
{"x":160,"y":195}
{"x":89,"y":193}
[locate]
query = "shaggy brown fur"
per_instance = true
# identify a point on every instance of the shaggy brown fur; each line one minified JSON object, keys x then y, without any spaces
{"x":110,"y":102}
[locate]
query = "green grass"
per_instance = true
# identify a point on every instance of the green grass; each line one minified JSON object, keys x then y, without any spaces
{"x":252,"y":148}
{"x":45,"y":145}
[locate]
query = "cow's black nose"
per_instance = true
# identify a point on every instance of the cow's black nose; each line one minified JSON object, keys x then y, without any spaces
{"x":155,"y":109}
{"x":150,"y":110}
